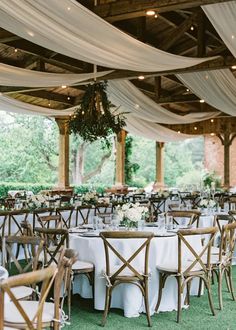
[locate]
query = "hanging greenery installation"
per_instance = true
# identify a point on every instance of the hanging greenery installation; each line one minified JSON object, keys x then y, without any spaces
{"x":94,"y":118}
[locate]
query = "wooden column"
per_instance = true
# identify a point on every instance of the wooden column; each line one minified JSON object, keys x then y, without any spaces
{"x":63,"y":168}
{"x":120,"y":158}
{"x":160,"y":162}
{"x":226,"y":140}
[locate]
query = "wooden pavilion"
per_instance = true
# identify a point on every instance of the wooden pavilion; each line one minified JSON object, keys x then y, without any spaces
{"x":177,"y":26}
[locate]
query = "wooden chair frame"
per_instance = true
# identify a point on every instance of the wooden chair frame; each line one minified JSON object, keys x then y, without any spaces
{"x":66,"y":221}
{"x":184,"y":276}
{"x":47,"y":220}
{"x":192,"y":215}
{"x":55,"y":240}
{"x":79,"y":211}
{"x":138,"y":279}
{"x":38,"y":212}
{"x":46,"y":277}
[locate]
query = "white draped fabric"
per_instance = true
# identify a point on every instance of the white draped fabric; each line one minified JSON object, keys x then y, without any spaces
{"x":14,"y":76}
{"x":130,"y":99}
{"x":68,"y":28}
{"x":10,"y":104}
{"x":134,"y":125}
{"x":217,"y":88}
{"x":153,"y":131}
{"x":223,"y":18}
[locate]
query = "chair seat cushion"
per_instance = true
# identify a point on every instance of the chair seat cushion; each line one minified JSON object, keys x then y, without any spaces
{"x":82,"y":265}
{"x":21,"y":292}
{"x":173,"y":268}
{"x":12,"y":315}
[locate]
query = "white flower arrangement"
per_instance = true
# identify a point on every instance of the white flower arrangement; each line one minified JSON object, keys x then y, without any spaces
{"x":129,"y":214}
{"x":208,"y":203}
{"x":90,"y":198}
{"x":36,"y":201}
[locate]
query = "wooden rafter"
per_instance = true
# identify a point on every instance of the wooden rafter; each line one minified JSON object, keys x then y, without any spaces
{"x":126,"y":9}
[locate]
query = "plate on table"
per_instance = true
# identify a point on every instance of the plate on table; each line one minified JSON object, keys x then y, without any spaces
{"x":78,"y":230}
{"x":90,"y":234}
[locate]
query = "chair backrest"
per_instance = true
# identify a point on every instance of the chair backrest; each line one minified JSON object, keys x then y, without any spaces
{"x":55,"y":240}
{"x":32,"y":247}
{"x":27,"y":229}
{"x":45,"y":277}
{"x":127,"y":263}
{"x":50,"y":221}
{"x":227,"y":244}
{"x":232,"y":202}
{"x":200,"y":256}
{"x":192,"y":216}
{"x":221,"y":220}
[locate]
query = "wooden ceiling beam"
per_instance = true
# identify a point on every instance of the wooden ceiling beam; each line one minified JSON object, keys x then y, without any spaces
{"x":125,"y":9}
{"x":218,"y":126}
{"x":51,"y":96}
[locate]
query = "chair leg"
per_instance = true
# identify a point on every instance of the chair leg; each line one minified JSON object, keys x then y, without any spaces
{"x":161,"y":286}
{"x":231,"y":282}
{"x":107,"y":303}
{"x":69,"y":293}
{"x":208,"y":286}
{"x":147,"y":302}
{"x":200,"y":287}
{"x":178,"y":278}
{"x":220,"y":278}
{"x":227,"y":280}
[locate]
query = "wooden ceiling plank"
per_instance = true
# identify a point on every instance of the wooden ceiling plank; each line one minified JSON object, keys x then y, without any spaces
{"x":125,"y":9}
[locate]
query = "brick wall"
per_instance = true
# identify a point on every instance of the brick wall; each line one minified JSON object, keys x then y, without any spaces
{"x":214,"y":157}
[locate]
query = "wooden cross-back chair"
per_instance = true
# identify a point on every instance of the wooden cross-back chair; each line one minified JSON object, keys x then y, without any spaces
{"x":198,"y":264}
{"x":55,"y":240}
{"x":126,"y":272}
{"x":65,"y":212}
{"x":32,"y":247}
{"x":83,"y":213}
{"x":26,"y":314}
{"x":191,"y":216}
{"x":232,"y":202}
{"x":8,"y":219}
{"x":157,"y":205}
{"x":42,"y":212}
{"x":50,"y":221}
{"x":221,"y":220}
{"x":222,"y":263}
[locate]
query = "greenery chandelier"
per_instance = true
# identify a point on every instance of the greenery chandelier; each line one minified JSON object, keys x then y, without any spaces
{"x":94,"y":118}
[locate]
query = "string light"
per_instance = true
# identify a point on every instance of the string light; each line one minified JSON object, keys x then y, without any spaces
{"x":233,"y":67}
{"x":150,"y":12}
{"x":179,"y":132}
{"x":30,"y":33}
{"x":195,"y":128}
{"x":212,"y":134}
{"x":192,"y":28}
{"x":141,"y":77}
{"x":187,"y":90}
{"x":15,"y":50}
{"x":155,"y":15}
{"x":68,"y":98}
{"x":232,"y":37}
{"x":212,"y":120}
{"x":63,"y":86}
{"x":202,"y":101}
{"x":137,"y":106}
{"x":68,"y":8}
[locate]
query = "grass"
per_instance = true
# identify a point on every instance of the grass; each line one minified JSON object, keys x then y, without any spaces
{"x":197,"y":317}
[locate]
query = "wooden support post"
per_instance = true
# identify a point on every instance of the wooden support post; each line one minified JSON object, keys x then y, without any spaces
{"x":226,"y":140}
{"x":120,"y":158}
{"x":63,"y":168}
{"x":160,"y":162}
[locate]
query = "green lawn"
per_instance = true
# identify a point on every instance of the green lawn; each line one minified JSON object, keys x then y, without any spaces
{"x":198,"y":316}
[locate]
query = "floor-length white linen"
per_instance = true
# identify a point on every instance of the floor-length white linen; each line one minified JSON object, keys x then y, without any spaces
{"x":217,"y":88}
{"x":153,"y":131}
{"x":69,"y":28}
{"x":14,"y":76}
{"x":128,"y":297}
{"x":130,"y":99}
{"x":223,"y":18}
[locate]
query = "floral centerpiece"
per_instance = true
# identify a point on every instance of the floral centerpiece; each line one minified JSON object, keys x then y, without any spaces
{"x":208,"y":203}
{"x":36,"y":201}
{"x":130,"y":214}
{"x":90,"y":198}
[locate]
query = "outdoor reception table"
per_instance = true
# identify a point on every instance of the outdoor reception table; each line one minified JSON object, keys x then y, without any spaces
{"x":125,"y":296}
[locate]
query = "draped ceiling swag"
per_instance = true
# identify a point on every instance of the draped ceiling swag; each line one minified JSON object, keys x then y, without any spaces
{"x":80,"y":34}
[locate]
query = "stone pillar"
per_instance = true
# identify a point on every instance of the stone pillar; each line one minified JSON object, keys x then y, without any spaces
{"x":63,"y":168}
{"x":160,"y":147}
{"x":120,"y":158}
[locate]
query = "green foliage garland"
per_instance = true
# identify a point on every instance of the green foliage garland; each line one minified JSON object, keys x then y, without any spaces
{"x":94,"y":119}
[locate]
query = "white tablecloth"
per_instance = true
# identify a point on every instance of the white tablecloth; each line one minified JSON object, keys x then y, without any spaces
{"x":126,"y":296}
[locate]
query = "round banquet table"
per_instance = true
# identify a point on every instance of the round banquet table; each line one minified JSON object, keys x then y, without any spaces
{"x":126,"y":296}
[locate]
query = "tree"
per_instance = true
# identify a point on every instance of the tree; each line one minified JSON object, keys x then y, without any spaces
{"x":131,"y":168}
